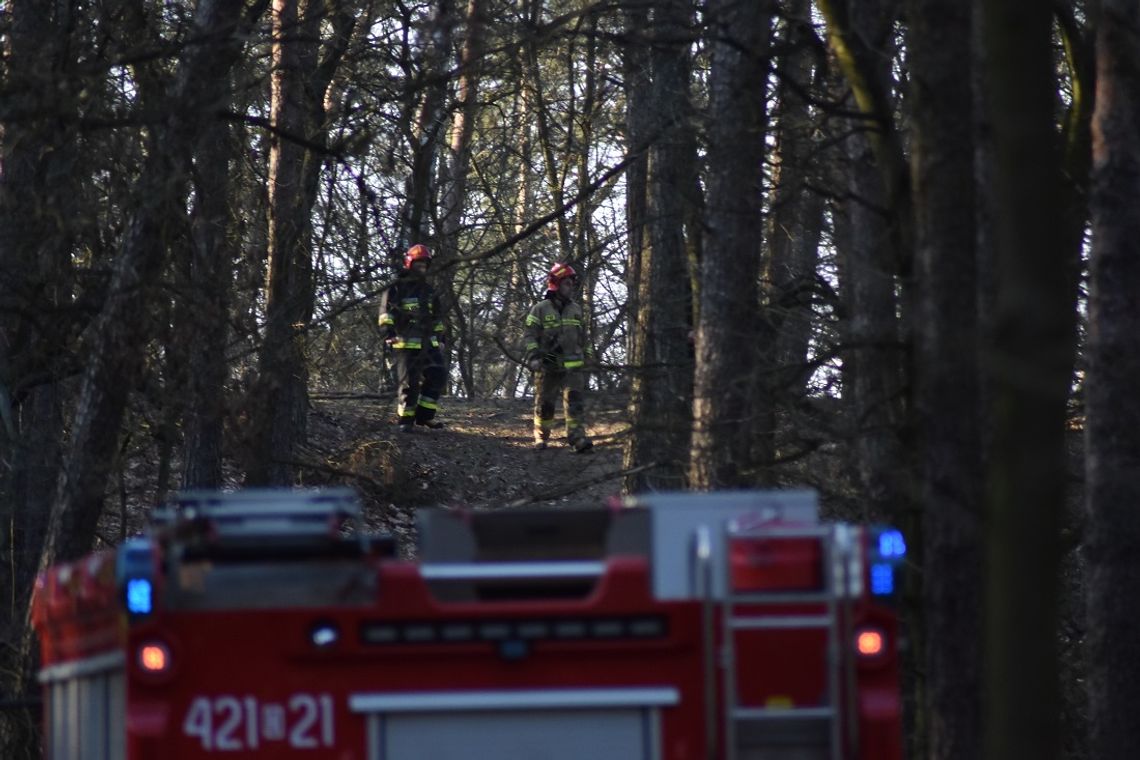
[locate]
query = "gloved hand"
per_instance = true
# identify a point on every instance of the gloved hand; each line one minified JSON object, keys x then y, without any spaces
{"x":534,"y":364}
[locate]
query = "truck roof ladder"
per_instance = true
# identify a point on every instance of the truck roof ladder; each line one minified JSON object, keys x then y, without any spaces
{"x":262,"y":548}
{"x":744,"y":610}
{"x":260,"y":513}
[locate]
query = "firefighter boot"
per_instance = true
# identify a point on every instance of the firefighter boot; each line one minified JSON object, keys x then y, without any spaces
{"x":543,"y":422}
{"x":580,"y":443}
{"x":425,"y":413}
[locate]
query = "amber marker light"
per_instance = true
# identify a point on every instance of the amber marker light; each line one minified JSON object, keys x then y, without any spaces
{"x":154,"y":658}
{"x":869,"y":642}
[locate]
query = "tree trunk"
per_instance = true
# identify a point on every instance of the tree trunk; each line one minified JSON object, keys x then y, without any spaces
{"x":729,"y":350}
{"x":304,"y":67}
{"x":661,"y":394}
{"x":426,"y":134}
{"x":210,"y":279}
{"x":518,"y":294}
{"x":38,"y":193}
{"x":282,"y":398}
{"x":456,"y":168}
{"x":544,"y":138}
{"x":876,"y":262}
{"x":859,"y":32}
{"x":946,"y":374}
{"x":1029,"y":361}
{"x":872,"y":362}
{"x":115,"y":362}
{"x":796,"y":219}
{"x":638,"y":125}
{"x":584,"y":250}
{"x":1112,"y":428}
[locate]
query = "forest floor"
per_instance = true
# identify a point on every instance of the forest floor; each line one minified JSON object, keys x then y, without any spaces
{"x":484,"y":458}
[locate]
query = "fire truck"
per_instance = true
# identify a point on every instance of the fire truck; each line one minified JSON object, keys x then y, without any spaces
{"x":670,"y":626}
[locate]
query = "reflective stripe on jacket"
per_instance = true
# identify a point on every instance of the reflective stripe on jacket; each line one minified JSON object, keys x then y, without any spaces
{"x":555,"y":331}
{"x":410,"y":312}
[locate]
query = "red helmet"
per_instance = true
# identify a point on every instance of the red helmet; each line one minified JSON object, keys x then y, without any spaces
{"x":559,"y":272}
{"x":418,"y":252}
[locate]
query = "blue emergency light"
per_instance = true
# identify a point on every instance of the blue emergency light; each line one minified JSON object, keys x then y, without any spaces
{"x":882,"y":579}
{"x":140,"y":599}
{"x":892,"y":545}
{"x":134,"y":572}
{"x":887,"y":551}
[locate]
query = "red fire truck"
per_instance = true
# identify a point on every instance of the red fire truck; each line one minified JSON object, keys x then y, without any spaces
{"x":682,"y":626}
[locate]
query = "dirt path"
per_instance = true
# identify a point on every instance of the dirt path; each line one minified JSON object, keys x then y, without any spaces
{"x":483,"y":458}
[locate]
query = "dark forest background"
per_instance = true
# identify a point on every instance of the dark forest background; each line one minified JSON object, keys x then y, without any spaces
{"x":903,"y":232}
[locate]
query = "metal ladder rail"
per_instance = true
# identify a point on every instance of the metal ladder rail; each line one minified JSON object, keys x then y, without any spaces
{"x":702,"y":585}
{"x":731,"y":622}
{"x":261,"y":512}
{"x":237,"y":535}
{"x":207,"y":520}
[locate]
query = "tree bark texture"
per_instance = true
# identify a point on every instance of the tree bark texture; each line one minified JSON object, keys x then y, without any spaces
{"x":872,"y":357}
{"x":946,"y":373}
{"x":38,"y":191}
{"x":583,"y":248}
{"x":638,"y":125}
{"x":457,"y":165}
{"x":859,"y":34}
{"x":796,"y":216}
{"x":519,"y":295}
{"x":41,"y":184}
{"x":304,"y":66}
{"x":544,"y":136}
{"x":115,"y":360}
{"x":426,"y":136}
{"x":661,"y":393}
{"x":281,"y":401}
{"x":210,"y":279}
{"x":730,"y":349}
{"x":1028,"y":361}
{"x":462,"y":127}
{"x":878,"y":210}
{"x":1112,"y":427}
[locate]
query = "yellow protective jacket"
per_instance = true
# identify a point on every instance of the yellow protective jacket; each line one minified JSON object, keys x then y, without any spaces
{"x":555,"y":332}
{"x":410,"y":313}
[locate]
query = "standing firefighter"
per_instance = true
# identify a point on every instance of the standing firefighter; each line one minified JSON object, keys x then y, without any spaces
{"x":410,"y":313}
{"x":556,"y":351}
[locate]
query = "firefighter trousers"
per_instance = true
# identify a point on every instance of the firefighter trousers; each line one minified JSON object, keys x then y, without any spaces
{"x":547,"y":385}
{"x":420,"y":375}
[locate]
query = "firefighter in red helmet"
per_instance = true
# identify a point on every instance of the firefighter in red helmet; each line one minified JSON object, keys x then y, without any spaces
{"x":556,"y":350}
{"x":412,"y":319}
